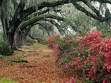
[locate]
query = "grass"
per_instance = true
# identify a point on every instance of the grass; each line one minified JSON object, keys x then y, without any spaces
{"x":37,"y":46}
{"x":4,"y":80}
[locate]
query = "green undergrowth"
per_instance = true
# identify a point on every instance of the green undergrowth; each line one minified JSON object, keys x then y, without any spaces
{"x":4,"y":49}
{"x":38,"y":45}
{"x":18,"y":57}
{"x":4,"y":80}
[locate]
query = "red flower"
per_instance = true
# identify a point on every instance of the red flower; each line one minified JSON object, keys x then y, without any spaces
{"x":107,"y":61}
{"x":76,"y":61}
{"x":93,"y":59}
{"x":91,"y":38}
{"x":105,"y":81}
{"x":56,"y":49}
{"x":55,"y":46}
{"x":66,"y":66}
{"x":91,"y":73}
{"x":71,"y":80}
{"x":106,"y":45}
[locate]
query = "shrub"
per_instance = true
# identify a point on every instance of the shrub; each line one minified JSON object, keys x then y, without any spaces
{"x":88,"y":57}
{"x":4,"y":49}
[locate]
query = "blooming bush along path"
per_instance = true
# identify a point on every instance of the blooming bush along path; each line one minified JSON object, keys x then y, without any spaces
{"x":87,"y":56}
{"x":39,"y":68}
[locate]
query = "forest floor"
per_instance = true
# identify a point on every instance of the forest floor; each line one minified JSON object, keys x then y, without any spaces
{"x":32,"y":64}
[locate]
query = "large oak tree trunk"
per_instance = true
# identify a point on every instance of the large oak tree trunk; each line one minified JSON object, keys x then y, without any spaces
{"x":7,"y":27}
{"x":5,"y":22}
{"x":12,"y":14}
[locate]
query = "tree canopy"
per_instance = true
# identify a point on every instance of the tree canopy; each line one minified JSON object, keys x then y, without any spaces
{"x":18,"y":16}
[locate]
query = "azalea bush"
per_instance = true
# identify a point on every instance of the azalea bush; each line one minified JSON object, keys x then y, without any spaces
{"x":87,"y":57}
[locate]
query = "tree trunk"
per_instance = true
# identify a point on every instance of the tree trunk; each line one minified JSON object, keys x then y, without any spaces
{"x":11,"y":16}
{"x":5,"y":19}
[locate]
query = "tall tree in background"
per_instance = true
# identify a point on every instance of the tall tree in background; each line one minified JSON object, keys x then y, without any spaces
{"x":18,"y":16}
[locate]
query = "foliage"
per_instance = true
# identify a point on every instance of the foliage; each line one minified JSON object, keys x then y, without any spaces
{"x":103,"y":27}
{"x":88,"y":57}
{"x":85,"y":23}
{"x":4,"y":49}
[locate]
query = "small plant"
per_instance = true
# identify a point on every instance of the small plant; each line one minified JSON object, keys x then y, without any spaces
{"x":4,"y":49}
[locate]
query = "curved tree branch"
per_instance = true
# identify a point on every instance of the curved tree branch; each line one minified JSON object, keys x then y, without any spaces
{"x":79,"y":7}
{"x":38,"y":18}
{"x":88,"y":3}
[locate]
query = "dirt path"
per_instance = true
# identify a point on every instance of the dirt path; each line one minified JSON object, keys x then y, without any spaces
{"x":39,"y":68}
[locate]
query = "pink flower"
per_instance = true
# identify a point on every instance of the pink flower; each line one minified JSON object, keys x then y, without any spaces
{"x":106,"y":45}
{"x":76,"y":60}
{"x":93,"y":58}
{"x":56,"y":49}
{"x":55,"y":46}
{"x":66,"y":66}
{"x":91,"y":72}
{"x":107,"y":61}
{"x":73,"y":80}
{"x":105,"y":81}
{"x":92,"y":40}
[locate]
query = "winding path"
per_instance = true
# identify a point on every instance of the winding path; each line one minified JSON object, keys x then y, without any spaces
{"x":41,"y":67}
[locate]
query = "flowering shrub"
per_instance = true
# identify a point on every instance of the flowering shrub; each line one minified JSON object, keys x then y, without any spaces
{"x":89,"y":58}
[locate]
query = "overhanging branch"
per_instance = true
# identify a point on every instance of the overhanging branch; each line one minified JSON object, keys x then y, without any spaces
{"x":38,"y":18}
{"x":79,"y":7}
{"x":54,"y":3}
{"x":94,"y":16}
{"x":88,"y":3}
